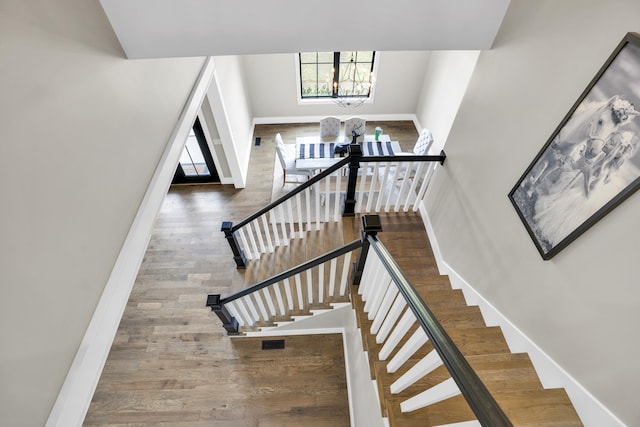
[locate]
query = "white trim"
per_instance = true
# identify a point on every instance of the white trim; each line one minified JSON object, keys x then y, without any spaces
{"x":80,"y":383}
{"x":591,"y":411}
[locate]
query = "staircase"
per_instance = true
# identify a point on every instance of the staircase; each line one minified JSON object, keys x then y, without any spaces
{"x":433,"y":359}
{"x":429,"y":398}
{"x":510,"y":377}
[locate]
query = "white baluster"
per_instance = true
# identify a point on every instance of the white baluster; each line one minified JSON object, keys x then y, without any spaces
{"x":265,"y":226}
{"x":235,"y":313}
{"x":403,"y":186}
{"x":309,"y":287}
{"x":413,"y":344}
{"x":336,"y":212}
{"x":321,"y":283}
{"x":252,"y":240}
{"x":399,"y":305}
{"x":253,"y":312}
{"x":332,"y":276}
{"x":269,"y":299}
{"x":274,"y":227}
{"x":327,"y":197}
{"x":372,"y":305}
{"x":316,"y":187}
{"x":363,"y":182}
{"x":261,"y":307}
{"x":424,"y":367}
{"x":369,"y":272}
{"x":258,"y":229}
{"x":283,"y":225}
{"x":276,"y":289}
{"x":411,"y":197}
{"x":292,"y":231}
{"x":245,"y":246}
{"x":424,"y":185}
{"x":442,"y":391}
{"x":299,"y":291}
{"x":287,"y":291}
{"x":405,"y":323}
{"x":393,"y":178}
{"x":245,"y":313}
{"x":389,"y":298}
{"x":300,"y":217}
{"x":384,"y":183}
{"x":372,"y":189}
{"x":345,"y":273}
{"x":307,"y":197}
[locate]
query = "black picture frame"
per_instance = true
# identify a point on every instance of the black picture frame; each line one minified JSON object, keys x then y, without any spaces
{"x":591,"y":162}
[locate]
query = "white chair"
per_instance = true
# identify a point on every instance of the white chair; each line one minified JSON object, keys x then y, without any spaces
{"x":421,"y":148}
{"x":287,"y":156}
{"x":329,"y":126}
{"x":356,"y":124}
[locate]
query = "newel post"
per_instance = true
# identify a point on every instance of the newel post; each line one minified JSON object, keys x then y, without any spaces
{"x":238,"y":255}
{"x":228,"y":321}
{"x":370,"y":227}
{"x":355,"y":153}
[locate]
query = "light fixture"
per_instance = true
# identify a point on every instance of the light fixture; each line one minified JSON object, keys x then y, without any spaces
{"x":354,"y":86}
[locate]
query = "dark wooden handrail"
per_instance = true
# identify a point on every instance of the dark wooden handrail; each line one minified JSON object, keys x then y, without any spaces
{"x":356,"y":244}
{"x":292,"y":193}
{"x":474,"y":391}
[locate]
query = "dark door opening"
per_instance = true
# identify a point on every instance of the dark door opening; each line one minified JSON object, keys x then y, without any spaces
{"x":196,"y":162}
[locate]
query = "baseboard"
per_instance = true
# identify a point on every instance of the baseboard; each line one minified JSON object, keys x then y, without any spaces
{"x":591,"y":411}
{"x":80,"y":383}
{"x":316,"y":119}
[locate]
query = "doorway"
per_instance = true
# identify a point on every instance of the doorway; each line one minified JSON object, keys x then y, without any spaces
{"x":196,"y":162}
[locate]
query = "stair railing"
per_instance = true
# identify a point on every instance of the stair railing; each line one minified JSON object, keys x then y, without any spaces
{"x":373,"y":183}
{"x":247,"y":307}
{"x":394,"y":306}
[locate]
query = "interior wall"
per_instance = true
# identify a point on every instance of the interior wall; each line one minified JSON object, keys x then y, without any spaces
{"x":444,"y":85}
{"x":82,"y":132}
{"x":271,"y":81}
{"x":581,"y":307}
{"x":233,"y":114}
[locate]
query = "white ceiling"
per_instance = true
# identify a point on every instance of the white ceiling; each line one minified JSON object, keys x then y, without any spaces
{"x":172,"y":28}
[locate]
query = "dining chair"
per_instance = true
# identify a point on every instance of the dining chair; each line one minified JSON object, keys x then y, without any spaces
{"x":356,"y":124}
{"x":420,"y":148}
{"x":329,"y":126}
{"x":287,"y":156}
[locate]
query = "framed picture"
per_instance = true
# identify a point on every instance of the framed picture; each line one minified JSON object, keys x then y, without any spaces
{"x":591,"y":163}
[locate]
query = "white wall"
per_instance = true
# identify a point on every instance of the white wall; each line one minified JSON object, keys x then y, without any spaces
{"x":82,"y":131}
{"x":581,"y":307}
{"x":233,"y":115}
{"x":271,"y":81}
{"x":445,"y":82}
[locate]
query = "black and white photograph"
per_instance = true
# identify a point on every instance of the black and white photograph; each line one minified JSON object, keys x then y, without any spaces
{"x":591,"y":163}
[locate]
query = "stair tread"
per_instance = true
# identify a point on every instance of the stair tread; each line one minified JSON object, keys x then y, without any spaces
{"x":524,"y":408}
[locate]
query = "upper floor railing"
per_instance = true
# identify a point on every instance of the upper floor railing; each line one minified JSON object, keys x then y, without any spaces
{"x":354,"y":184}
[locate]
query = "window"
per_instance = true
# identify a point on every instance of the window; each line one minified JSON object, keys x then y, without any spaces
{"x":336,"y":74}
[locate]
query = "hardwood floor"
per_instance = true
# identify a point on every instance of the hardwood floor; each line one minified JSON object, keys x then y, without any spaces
{"x":171,"y":364}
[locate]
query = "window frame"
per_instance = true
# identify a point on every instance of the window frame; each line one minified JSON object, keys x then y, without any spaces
{"x":330,"y":99}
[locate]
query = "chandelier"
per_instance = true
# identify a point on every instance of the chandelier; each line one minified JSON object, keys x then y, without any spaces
{"x":354,"y":86}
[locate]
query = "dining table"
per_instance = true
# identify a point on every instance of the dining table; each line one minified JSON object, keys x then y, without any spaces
{"x":315,"y":152}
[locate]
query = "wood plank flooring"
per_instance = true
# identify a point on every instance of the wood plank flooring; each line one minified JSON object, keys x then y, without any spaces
{"x":171,"y":363}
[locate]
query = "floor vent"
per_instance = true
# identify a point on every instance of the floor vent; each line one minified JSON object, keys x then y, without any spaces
{"x":258,"y":139}
{"x":273,"y":345}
